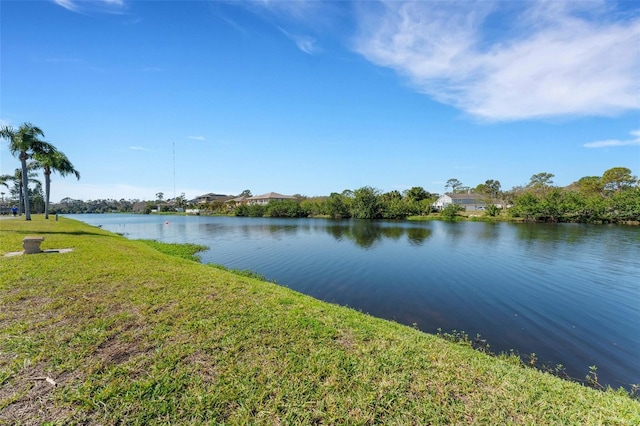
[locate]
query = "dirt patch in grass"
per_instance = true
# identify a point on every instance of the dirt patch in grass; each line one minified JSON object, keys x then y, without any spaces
{"x":346,"y":339}
{"x":205,"y":365}
{"x":29,"y":399}
{"x":114,"y":350}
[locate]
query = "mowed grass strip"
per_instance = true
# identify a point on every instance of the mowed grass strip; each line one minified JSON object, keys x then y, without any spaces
{"x":132,"y":332}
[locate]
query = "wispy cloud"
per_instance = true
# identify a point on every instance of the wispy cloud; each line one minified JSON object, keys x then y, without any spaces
{"x":139,"y":148}
{"x":635,"y":140}
{"x":81,"y":6}
{"x":509,"y":60}
{"x":302,"y":22}
{"x":67,"y":4}
{"x":305,"y":43}
{"x":196,"y":138}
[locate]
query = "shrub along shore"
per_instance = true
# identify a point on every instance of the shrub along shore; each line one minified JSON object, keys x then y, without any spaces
{"x":122,"y":332}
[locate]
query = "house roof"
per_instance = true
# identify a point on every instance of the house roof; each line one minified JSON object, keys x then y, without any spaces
{"x":211,"y":194}
{"x":211,"y":197}
{"x":466,"y":198}
{"x":271,"y":196}
{"x":238,"y":199}
{"x":459,"y":196}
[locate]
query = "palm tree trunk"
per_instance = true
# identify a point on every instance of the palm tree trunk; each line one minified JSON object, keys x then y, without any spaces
{"x":47,"y":191}
{"x":25,"y":185}
{"x":20,"y":201}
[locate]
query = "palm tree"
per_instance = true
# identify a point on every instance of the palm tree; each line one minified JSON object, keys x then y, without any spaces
{"x":3,"y":182}
{"x":25,"y":142}
{"x":16,"y":179}
{"x":53,"y":161}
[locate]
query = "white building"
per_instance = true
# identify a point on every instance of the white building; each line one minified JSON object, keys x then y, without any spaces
{"x":470,"y":202}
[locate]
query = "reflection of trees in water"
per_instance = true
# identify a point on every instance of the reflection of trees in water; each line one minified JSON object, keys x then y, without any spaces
{"x":366,"y":233}
{"x":610,"y":242}
{"x":283,"y":229}
{"x":271,"y":230}
{"x":464,"y":231}
{"x":551,"y":235}
{"x":416,"y":236}
{"x":394,"y":232}
{"x":491,"y":231}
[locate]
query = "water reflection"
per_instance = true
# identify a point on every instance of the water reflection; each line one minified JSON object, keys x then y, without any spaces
{"x":366,"y":234}
{"x":553,"y":234}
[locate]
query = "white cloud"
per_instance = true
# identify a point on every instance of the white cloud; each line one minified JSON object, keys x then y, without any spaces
{"x":83,"y":5}
{"x":547,"y":58}
{"x":305,"y":43}
{"x":196,"y":138}
{"x":635,"y":140}
{"x":67,"y":4}
{"x":139,"y":148}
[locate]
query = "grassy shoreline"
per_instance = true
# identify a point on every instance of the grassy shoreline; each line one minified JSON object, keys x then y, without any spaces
{"x":132,"y":335}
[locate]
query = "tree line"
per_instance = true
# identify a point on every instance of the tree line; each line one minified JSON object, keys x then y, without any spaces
{"x":363,"y":203}
{"x":613,"y":197}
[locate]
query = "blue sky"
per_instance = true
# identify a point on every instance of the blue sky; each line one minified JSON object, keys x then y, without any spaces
{"x":317,"y":97}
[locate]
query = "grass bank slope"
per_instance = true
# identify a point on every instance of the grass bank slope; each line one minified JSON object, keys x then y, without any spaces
{"x":116,"y":332}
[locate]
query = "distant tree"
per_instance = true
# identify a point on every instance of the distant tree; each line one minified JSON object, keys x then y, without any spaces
{"x":394,"y":206}
{"x":5,"y":180}
{"x":418,"y":200}
{"x":590,"y":185}
{"x":17,"y":191}
{"x":453,"y":183}
{"x":541,"y":181}
{"x":53,"y":161}
{"x":366,"y":203}
{"x":618,"y":178}
{"x":392,"y":195}
{"x":36,"y":197}
{"x":494,"y":187}
{"x":492,"y":210}
{"x":417,"y":193}
{"x":181,"y":201}
{"x":245,"y":193}
{"x":285,"y":208}
{"x":314,"y":206}
{"x":160,"y":196}
{"x":527,"y":206}
{"x":490,"y":188}
{"x":625,"y":205}
{"x":24,"y":142}
{"x":336,"y":206}
{"x":451,"y":211}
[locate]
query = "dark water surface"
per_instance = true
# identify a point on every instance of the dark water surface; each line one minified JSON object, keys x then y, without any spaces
{"x":568,"y":292}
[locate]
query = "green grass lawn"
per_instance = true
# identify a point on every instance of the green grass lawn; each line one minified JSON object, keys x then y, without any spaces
{"x":133,"y":332}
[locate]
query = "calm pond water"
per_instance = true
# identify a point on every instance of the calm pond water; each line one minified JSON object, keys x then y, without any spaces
{"x":568,"y":292}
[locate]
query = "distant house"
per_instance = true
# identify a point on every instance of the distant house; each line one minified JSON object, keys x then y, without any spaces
{"x":207,"y":198}
{"x":167,"y":206}
{"x":139,"y":207}
{"x":470,"y":202}
{"x":266,"y":198}
{"x":238,"y":200}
